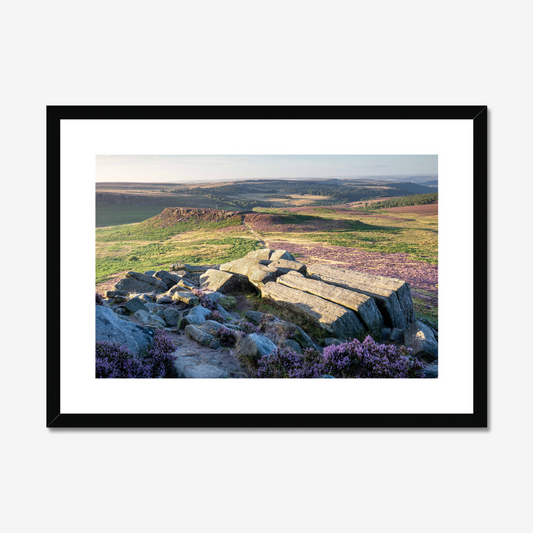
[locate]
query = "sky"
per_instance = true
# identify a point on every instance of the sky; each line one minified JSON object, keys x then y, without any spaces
{"x":183,"y":168}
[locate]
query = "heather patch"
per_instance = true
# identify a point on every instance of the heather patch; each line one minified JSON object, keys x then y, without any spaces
{"x":368,"y":359}
{"x":204,"y":300}
{"x":353,"y":359}
{"x":116,"y":361}
{"x":227,"y":336}
{"x":249,"y":327}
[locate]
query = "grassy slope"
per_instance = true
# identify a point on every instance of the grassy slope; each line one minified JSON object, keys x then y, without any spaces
{"x":144,"y":247}
{"x":409,"y":233}
{"x":218,"y":242}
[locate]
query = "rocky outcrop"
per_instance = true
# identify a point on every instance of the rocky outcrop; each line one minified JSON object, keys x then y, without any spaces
{"x":228,"y":317}
{"x":259,"y":272}
{"x":149,"y":319}
{"x":421,"y":340}
{"x":196,"y":316}
{"x":281,"y":254}
{"x":254,"y":316}
{"x":172,"y":316}
{"x":223,"y":282}
{"x":392,"y":296}
{"x":137,"y":282}
{"x":179,"y":294}
{"x":191,"y":269}
{"x":344,"y":303}
{"x":186,"y":284}
{"x":270,"y":255}
{"x":261,"y":255}
{"x":336,"y":319}
{"x":111,"y":328}
{"x":169,"y":278}
{"x":135,"y":304}
{"x":287,"y":330}
{"x":283,"y":266}
{"x":114,"y":294}
{"x":364,"y":306}
{"x":256,"y":346}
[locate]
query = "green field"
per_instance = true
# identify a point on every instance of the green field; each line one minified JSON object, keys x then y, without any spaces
{"x":133,"y":247}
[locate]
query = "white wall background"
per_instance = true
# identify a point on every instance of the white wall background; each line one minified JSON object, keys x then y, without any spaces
{"x":279,"y":52}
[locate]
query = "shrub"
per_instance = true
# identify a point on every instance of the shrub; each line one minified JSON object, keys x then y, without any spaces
{"x":368,"y":359}
{"x":227,"y":336}
{"x":204,"y":300}
{"x":162,"y":355}
{"x":217,"y":317}
{"x":249,"y":327}
{"x":353,"y":359}
{"x":133,"y":258}
{"x":284,"y":363}
{"x":228,"y":302}
{"x":116,"y":361}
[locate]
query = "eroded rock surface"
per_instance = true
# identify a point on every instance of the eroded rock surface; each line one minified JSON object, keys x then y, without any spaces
{"x":202,"y":337}
{"x":364,"y":306}
{"x":223,"y":282}
{"x":256,"y":346}
{"x":110,"y":327}
{"x":392,"y":296}
{"x":137,"y":282}
{"x":336,"y":319}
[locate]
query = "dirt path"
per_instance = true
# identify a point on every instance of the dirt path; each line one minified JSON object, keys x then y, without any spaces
{"x":261,"y":241}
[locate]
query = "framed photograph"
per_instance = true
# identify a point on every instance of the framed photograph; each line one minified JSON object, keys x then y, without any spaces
{"x":267,"y":266}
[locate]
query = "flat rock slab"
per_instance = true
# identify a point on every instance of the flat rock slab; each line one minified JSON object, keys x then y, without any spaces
{"x":149,"y":319}
{"x":181,"y":295}
{"x":272,"y":255}
{"x":364,"y":306}
{"x":134,"y":305}
{"x":167,"y":277}
{"x":282,"y":254}
{"x":114,"y":294}
{"x":334,"y":318}
{"x":137,"y":282}
{"x":176,"y":267}
{"x":393,"y":296}
{"x":261,"y":271}
{"x":186,"y":284}
{"x":202,"y":337}
{"x":264,"y":254}
{"x":211,"y":327}
{"x":196,"y":316}
{"x":257,"y":271}
{"x":222,"y":282}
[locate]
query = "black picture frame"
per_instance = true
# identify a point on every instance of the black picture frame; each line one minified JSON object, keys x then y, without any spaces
{"x":477,"y":419}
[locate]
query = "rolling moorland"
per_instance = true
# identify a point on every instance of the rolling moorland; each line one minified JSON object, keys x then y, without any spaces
{"x":380,"y":227}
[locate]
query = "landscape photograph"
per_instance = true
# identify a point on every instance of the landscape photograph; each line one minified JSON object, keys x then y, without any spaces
{"x":266,"y":266}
